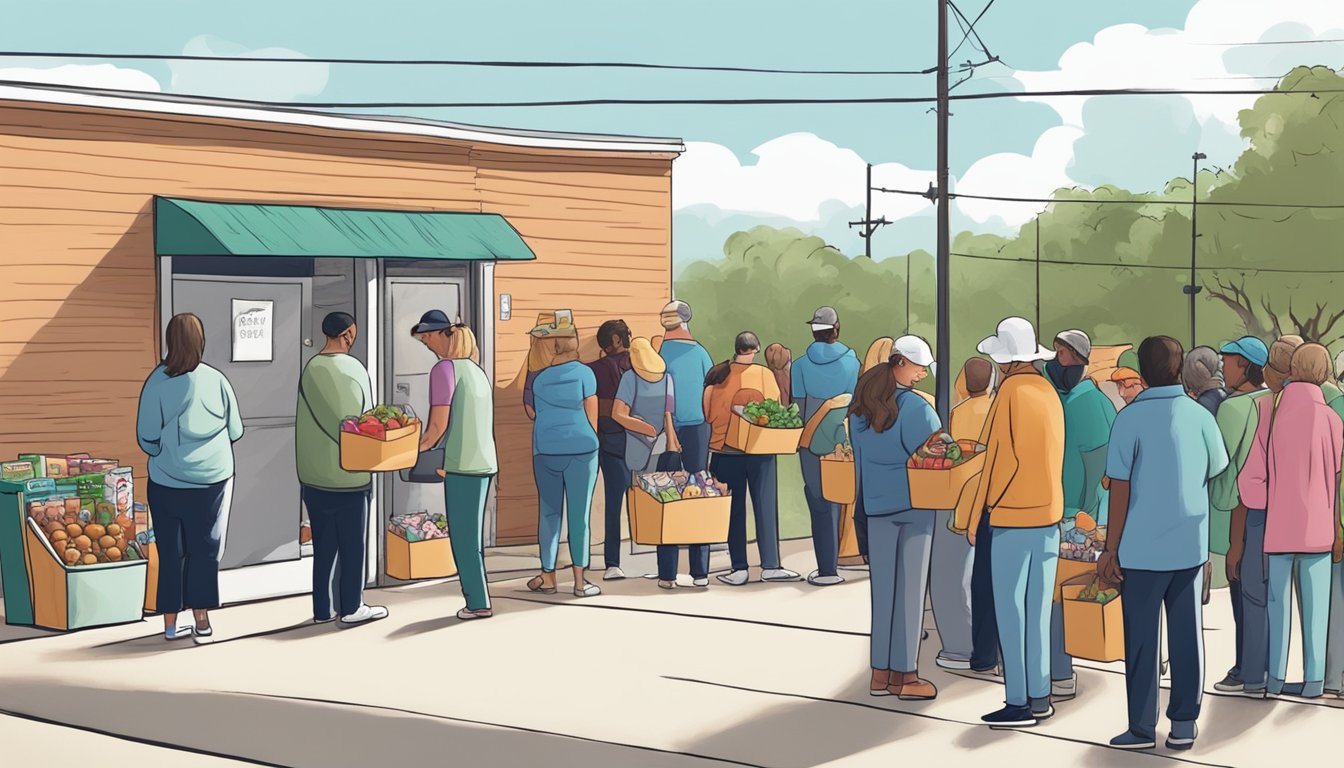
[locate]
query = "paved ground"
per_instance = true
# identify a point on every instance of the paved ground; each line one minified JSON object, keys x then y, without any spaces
{"x":758,"y":676}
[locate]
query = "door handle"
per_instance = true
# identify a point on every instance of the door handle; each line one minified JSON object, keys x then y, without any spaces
{"x":403,"y":389}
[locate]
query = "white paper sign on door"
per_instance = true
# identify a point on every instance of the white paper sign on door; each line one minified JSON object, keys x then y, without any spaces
{"x":253,"y":328}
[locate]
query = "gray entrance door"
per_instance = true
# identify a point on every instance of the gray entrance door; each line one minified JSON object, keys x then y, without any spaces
{"x":408,"y":299}
{"x":264,"y":518}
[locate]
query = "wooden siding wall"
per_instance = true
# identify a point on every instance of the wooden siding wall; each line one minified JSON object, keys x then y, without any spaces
{"x":78,"y":325}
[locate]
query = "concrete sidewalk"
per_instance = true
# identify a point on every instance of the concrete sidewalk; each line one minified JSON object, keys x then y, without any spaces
{"x":763,"y":675}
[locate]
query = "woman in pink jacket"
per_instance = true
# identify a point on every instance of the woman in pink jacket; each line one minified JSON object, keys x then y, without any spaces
{"x":1292,"y":473}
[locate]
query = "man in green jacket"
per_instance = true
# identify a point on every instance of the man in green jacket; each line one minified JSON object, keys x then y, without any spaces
{"x":1243,"y":372}
{"x":335,"y":386}
{"x":1088,"y":416}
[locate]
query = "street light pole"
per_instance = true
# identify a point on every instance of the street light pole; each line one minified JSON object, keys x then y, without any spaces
{"x":944,"y":314}
{"x":1193,"y":288}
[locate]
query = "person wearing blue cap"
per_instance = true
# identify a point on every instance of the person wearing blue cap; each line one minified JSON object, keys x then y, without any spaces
{"x":1231,"y":528}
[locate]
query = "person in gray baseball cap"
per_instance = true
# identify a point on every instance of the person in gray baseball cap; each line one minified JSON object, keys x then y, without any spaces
{"x":828,"y":370}
{"x":1088,"y":416}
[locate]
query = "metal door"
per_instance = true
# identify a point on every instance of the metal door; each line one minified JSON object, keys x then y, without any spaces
{"x":411,"y":361}
{"x":263,"y":524}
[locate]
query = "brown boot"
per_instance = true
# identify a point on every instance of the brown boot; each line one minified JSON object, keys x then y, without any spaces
{"x":907,"y":686}
{"x":880,"y":683}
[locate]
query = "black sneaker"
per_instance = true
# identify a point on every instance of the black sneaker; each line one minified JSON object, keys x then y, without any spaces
{"x":1010,"y":717}
{"x":1229,"y":684}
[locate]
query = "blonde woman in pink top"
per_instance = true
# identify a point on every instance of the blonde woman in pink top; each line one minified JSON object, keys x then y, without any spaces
{"x":1293,"y":473}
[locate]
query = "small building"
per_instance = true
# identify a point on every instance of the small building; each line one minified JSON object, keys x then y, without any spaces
{"x":118,"y":211}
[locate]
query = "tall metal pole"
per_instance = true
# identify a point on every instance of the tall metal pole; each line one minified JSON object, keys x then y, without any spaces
{"x":944,"y":355}
{"x":868,"y":217}
{"x":907,"y":293}
{"x":1193,"y":288}
{"x":1038,"y":273}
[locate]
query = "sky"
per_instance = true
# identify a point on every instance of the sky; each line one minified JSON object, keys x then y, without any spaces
{"x":784,"y":165}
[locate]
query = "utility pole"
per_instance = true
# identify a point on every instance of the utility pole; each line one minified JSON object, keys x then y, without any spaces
{"x":944,"y":375}
{"x":1193,"y":288}
{"x":868,"y":226}
{"x":1038,"y":273}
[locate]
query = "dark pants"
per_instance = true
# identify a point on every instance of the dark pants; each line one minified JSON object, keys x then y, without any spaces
{"x":744,"y":473}
{"x":669,"y":554}
{"x":825,"y":515}
{"x":984,"y":620}
{"x":861,"y":527}
{"x":340,"y":521}
{"x":1234,"y":592}
{"x":188,"y":532}
{"x":615,"y":481}
{"x":1145,"y":595}
{"x":1254,"y":586}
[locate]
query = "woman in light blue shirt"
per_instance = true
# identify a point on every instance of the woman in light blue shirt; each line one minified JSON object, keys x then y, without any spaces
{"x":564,"y":462}
{"x":187,"y":424}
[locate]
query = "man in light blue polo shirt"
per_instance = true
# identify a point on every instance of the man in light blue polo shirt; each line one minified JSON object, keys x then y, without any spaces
{"x":1164,"y":450}
{"x":687,"y":363}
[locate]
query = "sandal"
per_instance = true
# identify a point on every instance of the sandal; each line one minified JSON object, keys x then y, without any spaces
{"x":587,"y":589}
{"x":538,"y":584}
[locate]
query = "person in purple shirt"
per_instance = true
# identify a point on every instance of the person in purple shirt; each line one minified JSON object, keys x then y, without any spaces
{"x":613,"y":337}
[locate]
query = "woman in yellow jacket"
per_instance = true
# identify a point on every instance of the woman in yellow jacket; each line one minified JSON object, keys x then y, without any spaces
{"x":1021,"y":491}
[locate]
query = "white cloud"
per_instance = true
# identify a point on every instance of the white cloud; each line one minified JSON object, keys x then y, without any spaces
{"x":106,"y":76}
{"x":793,"y":177}
{"x":1009,"y":174}
{"x":259,"y":81}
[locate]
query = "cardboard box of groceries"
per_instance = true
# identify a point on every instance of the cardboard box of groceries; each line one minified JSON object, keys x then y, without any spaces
{"x":78,"y":596}
{"x":765,"y":429}
{"x":1094,"y":626}
{"x":678,"y":508}
{"x":385,"y":439}
{"x":942,"y":469}
{"x":837,"y":476}
{"x":418,"y":547}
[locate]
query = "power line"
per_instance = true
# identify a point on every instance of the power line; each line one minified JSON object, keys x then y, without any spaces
{"x":969,"y":29}
{"x":686,"y":102}
{"x":1114,"y":201}
{"x":452,"y":63}
{"x":1276,"y":42}
{"x":1121,"y":265}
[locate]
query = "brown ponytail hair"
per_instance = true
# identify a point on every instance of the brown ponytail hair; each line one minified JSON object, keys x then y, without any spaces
{"x":875,"y":396}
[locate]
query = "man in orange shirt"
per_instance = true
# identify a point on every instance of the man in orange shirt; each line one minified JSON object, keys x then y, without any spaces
{"x":952,"y":556}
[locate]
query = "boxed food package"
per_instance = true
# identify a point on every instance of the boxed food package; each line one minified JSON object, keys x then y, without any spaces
{"x":678,"y":508}
{"x":766,"y":428}
{"x":1093,"y":620}
{"x":17,"y":471}
{"x":418,"y":547}
{"x":119,"y":490}
{"x":838,"y":476}
{"x":67,"y":597}
{"x":942,"y":469}
{"x":384,"y":439}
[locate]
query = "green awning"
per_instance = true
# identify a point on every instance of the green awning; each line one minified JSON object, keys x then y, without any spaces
{"x":194,"y":228}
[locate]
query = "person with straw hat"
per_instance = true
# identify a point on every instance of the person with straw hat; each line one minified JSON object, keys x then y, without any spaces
{"x":1019,"y":502}
{"x":644,"y":406}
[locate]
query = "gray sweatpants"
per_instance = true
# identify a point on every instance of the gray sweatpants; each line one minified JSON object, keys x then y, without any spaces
{"x":898,"y":573}
{"x":950,"y":588}
{"x":1334,"y":644}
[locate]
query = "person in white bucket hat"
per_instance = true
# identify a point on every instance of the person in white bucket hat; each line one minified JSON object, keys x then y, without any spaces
{"x":1021,"y":492}
{"x":887,"y":422}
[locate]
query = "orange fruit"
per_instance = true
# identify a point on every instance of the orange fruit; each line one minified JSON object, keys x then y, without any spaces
{"x":107,"y":541}
{"x":95,"y":531}
{"x":89,"y":560}
{"x":1084,"y":522}
{"x":72,"y":556}
{"x":113,"y":554}
{"x":59,"y":535}
{"x":83,"y":543}
{"x":74,"y":530}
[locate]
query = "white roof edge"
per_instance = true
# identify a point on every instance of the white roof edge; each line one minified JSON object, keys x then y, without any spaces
{"x":169,"y":104}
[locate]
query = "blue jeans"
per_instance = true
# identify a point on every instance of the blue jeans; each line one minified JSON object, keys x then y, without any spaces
{"x":565,"y":486}
{"x":899,"y":580}
{"x":668,"y":554}
{"x":340,"y":528}
{"x":984,"y":625}
{"x":694,"y":439}
{"x":189,"y":533}
{"x":1313,"y":582}
{"x":615,"y":481}
{"x":464,"y":498}
{"x":1145,"y":593}
{"x":825,"y":515}
{"x":744,"y":473}
{"x":1254,"y":573}
{"x":1024,"y":565}
{"x":1334,"y":644}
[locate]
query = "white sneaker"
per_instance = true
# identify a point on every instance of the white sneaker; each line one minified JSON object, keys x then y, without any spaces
{"x":1063,"y":690}
{"x":613,"y":574}
{"x":960,"y":665}
{"x":817,"y":580}
{"x":780,"y":574}
{"x":860,"y":567}
{"x":327,"y":620}
{"x":366,"y":613}
{"x":587,"y":589}
{"x":735,"y":579}
{"x":700,"y":582}
{"x":177,"y":633}
{"x":203,"y":636}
